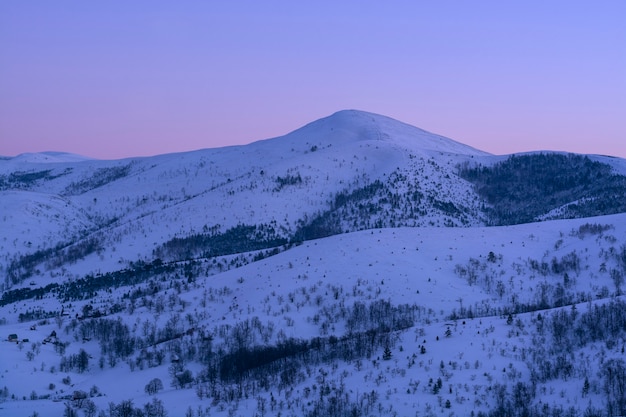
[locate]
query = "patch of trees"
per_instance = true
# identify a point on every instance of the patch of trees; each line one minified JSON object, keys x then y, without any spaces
{"x":614,"y":374}
{"x":26,"y":293}
{"x":76,"y":362}
{"x":181,"y":377}
{"x":25,"y":266}
{"x":335,"y":401}
{"x":126,"y":408}
{"x":380,"y":316}
{"x":561,"y":333}
{"x":137,"y":273}
{"x":590,"y":229}
{"x":89,"y":285}
{"x":114,"y":336}
{"x":524,"y":187}
{"x":22,"y":179}
{"x":323,"y":225}
{"x":358,"y":195}
{"x":154,"y":386}
{"x":238,"y":239}
{"x":239,"y":361}
{"x":329,"y":223}
{"x":446,"y":207}
{"x":370,"y":328}
{"x":25,"y":180}
{"x":517,"y":401}
{"x":279,"y":365}
{"x":100,"y":177}
{"x":398,"y":201}
{"x":36,"y":314}
{"x":600,"y":323}
{"x":568,"y":263}
{"x":570,"y":330}
{"x":239,"y":364}
{"x":557,"y":292}
{"x":76,"y":251}
{"x":282,"y":182}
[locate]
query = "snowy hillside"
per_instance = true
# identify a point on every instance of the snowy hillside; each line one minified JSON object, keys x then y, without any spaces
{"x":346,"y":268}
{"x":133,"y":206}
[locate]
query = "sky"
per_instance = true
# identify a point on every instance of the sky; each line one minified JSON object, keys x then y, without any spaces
{"x":114,"y":79}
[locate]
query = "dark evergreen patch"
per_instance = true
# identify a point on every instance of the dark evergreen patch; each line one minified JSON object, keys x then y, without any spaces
{"x":87,"y":286}
{"x":24,"y":180}
{"x":282,"y":182}
{"x":238,"y":239}
{"x":26,"y":266}
{"x":370,"y":330}
{"x":523,"y":188}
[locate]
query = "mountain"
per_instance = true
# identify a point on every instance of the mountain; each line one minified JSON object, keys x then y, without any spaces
{"x":347,"y":160}
{"x":355,"y":266}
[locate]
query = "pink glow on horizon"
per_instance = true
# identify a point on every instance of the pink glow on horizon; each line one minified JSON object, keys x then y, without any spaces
{"x":119,"y":79}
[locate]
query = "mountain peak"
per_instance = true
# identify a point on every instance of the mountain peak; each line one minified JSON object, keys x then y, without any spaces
{"x":358,"y":125}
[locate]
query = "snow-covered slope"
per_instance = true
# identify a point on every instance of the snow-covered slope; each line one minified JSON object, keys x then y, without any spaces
{"x":312,"y":275}
{"x":459,"y":332}
{"x":138,"y":204}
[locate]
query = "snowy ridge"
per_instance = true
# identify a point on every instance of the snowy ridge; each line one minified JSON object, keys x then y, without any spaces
{"x":49,"y":158}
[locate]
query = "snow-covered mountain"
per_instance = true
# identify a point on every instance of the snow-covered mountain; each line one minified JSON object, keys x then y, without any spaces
{"x":355,"y":266}
{"x":132,"y":206}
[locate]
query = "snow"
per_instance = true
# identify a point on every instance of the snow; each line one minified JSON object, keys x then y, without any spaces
{"x":49,"y":158}
{"x":140,"y":209}
{"x":406,"y":265}
{"x":175,"y":195}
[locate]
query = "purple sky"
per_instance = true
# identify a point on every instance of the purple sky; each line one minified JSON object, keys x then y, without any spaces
{"x":112,"y":79}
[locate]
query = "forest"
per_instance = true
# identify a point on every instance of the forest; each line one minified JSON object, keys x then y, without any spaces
{"x":524,"y":187}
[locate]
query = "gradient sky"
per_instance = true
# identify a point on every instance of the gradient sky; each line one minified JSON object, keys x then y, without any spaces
{"x":111,"y":79}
